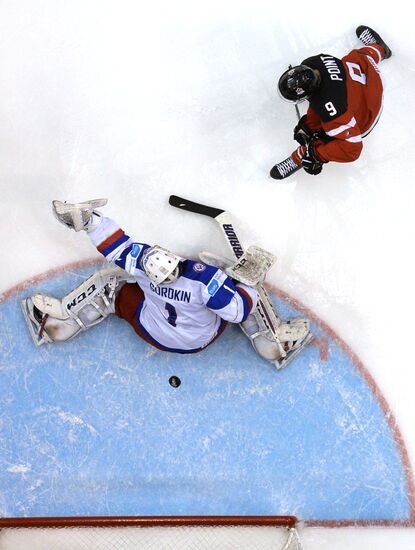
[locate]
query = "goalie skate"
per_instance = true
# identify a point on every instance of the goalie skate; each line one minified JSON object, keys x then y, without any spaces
{"x":293,"y":349}
{"x":35,"y":320}
{"x":76,"y":215}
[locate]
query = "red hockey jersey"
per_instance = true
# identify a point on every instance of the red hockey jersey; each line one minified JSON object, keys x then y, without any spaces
{"x":348,"y":103}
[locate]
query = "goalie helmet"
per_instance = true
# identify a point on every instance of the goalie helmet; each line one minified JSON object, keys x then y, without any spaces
{"x":160,"y":265}
{"x":298,"y":83}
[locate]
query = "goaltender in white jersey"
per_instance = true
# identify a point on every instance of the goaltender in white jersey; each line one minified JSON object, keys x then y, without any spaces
{"x":175,"y":304}
{"x":187,"y":311}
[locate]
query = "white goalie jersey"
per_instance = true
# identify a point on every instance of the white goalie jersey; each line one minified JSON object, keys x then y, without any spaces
{"x":183,"y":316}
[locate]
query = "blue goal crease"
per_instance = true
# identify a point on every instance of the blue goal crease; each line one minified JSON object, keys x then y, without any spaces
{"x":93,"y":427}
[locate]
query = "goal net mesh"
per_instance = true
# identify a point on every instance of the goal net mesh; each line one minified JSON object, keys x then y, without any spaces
{"x":221,"y":533}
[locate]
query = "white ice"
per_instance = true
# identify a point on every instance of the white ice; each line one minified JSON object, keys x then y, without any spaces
{"x":135,"y":101}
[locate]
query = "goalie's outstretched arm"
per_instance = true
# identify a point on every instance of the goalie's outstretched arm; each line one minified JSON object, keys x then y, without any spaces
{"x":104,"y":233}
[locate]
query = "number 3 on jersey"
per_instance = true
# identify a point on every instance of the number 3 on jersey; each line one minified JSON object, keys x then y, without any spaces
{"x":172,"y":314}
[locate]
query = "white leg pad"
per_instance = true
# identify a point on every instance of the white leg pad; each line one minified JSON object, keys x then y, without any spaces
{"x":275,"y":340}
{"x":262,"y":338}
{"x":52,"y":320}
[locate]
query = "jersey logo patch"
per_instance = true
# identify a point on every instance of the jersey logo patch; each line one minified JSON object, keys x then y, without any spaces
{"x":213,"y":287}
{"x":199,"y":267}
{"x":135,"y":252}
{"x":131,"y":259}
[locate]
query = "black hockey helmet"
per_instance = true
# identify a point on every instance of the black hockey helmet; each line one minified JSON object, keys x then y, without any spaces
{"x":298,"y":83}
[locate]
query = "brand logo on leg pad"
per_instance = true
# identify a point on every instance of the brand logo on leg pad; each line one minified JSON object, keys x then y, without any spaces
{"x":81,"y":297}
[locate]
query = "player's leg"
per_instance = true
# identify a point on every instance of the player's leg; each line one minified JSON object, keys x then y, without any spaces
{"x":374,"y":45}
{"x":127,"y":302}
{"x":56,"y":320}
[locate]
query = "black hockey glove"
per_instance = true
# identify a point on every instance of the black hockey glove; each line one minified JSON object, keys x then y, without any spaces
{"x":311,"y":164}
{"x":302,"y":132}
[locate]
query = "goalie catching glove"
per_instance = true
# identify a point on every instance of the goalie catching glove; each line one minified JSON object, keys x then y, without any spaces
{"x":80,"y":216}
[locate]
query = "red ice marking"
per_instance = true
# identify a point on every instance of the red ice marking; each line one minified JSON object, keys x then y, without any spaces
{"x":323,"y":347}
{"x":47,"y":275}
{"x":390,"y":418}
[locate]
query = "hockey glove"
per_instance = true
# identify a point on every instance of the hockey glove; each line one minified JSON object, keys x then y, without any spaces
{"x":302,"y":132}
{"x":311,"y":164}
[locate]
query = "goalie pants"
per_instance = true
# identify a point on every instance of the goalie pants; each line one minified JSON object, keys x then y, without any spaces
{"x":127,"y":304}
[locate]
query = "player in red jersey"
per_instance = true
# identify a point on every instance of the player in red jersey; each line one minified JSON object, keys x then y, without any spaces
{"x":346,"y":99}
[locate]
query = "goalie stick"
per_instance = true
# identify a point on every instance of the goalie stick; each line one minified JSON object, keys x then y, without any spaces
{"x":265,"y":306}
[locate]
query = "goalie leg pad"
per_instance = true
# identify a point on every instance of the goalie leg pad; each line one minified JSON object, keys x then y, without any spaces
{"x":275,"y":340}
{"x":45,"y":329}
{"x":53,"y":320}
{"x":264,"y":342}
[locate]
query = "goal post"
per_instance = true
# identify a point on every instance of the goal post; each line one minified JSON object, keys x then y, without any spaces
{"x":150,"y":533}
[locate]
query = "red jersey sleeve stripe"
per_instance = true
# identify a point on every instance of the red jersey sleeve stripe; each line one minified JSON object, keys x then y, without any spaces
{"x":110,"y":240}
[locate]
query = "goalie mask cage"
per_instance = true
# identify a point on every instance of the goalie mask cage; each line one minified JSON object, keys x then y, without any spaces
{"x":150,"y":533}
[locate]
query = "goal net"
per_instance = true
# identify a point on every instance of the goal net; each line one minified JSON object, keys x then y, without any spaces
{"x":150,"y":533}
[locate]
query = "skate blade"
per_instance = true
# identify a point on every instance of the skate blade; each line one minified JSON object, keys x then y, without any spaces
{"x":32,"y":326}
{"x":282,"y":363}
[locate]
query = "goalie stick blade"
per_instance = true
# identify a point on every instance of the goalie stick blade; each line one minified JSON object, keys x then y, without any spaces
{"x":196,"y":207}
{"x":282,"y":363}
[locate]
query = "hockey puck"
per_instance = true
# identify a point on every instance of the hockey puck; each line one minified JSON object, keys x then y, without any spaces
{"x":174,"y":381}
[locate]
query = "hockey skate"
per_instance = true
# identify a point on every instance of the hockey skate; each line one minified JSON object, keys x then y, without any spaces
{"x":35,"y":321}
{"x":299,"y":329}
{"x":284,"y":169}
{"x":368,"y":36}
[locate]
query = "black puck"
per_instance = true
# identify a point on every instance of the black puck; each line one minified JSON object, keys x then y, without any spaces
{"x":174,"y":381}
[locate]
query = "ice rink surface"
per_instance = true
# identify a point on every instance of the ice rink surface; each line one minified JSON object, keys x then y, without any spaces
{"x":133,"y":103}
